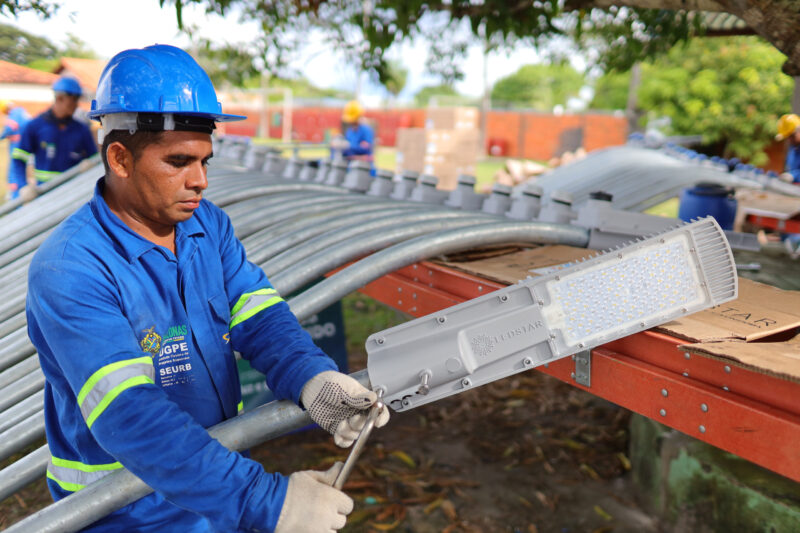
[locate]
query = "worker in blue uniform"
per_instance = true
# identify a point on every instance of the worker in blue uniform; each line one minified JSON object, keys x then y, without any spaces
{"x":789,"y":129}
{"x":54,"y":140}
{"x":16,"y":119}
{"x":358,"y":142}
{"x":136,"y":305}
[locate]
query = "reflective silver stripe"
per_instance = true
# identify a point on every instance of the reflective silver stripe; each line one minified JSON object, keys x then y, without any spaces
{"x":255,"y":302}
{"x":100,"y":389}
{"x":73,"y":479}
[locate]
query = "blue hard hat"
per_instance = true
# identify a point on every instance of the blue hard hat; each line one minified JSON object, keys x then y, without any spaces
{"x":157,"y":79}
{"x":69,"y":85}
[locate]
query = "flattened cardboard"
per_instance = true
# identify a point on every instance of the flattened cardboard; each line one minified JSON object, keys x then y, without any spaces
{"x":767,"y":204}
{"x":513,"y":267}
{"x":780,"y":359}
{"x":759,"y":311}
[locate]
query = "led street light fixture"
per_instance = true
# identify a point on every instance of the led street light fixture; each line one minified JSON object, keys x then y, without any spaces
{"x":539,"y":320}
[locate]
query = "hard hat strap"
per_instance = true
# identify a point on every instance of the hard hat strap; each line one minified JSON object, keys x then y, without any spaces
{"x":133,"y":122}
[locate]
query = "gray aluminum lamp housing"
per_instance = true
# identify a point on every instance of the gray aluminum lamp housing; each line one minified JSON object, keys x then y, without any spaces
{"x":546,"y":318}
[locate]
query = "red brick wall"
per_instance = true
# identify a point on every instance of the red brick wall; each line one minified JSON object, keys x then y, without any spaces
{"x":524,"y":135}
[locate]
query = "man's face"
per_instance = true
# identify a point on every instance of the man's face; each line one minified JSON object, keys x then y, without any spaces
{"x":795,"y":137}
{"x":65,"y":105}
{"x":168,"y":178}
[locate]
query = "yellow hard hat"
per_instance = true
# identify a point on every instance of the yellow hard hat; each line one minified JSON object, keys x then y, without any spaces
{"x":4,"y":106}
{"x":352,"y":111}
{"x":787,"y":125}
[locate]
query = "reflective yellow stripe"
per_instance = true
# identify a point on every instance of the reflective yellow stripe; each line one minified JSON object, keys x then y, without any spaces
{"x":72,"y":487}
{"x":45,"y":175}
{"x":244,"y":297}
{"x":106,"y":370}
{"x":83,"y":467}
{"x":113,"y":393}
{"x":107,"y":383}
{"x":19,"y":153}
{"x":238,"y":319}
{"x":240,"y":407}
{"x":74,"y":475}
{"x":252,"y":303}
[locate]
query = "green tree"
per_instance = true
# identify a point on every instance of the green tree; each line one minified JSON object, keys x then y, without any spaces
{"x":730,"y":90}
{"x":539,"y":87}
{"x":21,"y":47}
{"x":74,"y":46}
{"x":630,"y":30}
{"x":395,"y":77}
{"x":445,"y":95}
{"x":611,"y":91}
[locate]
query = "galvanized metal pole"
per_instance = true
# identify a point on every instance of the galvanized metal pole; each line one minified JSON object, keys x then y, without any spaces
{"x":121,"y":488}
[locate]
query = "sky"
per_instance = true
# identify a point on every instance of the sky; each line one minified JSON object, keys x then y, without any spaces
{"x":110,"y":26}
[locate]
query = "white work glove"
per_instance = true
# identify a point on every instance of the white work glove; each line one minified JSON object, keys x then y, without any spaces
{"x":786,"y":176}
{"x":339,"y":143}
{"x":312,"y":505}
{"x":339,"y":404}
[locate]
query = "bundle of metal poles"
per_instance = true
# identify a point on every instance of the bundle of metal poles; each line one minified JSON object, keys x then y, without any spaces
{"x":639,"y":178}
{"x":298,"y":220}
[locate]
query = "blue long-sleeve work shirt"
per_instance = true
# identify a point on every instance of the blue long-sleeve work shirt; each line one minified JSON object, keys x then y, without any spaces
{"x":793,"y":162}
{"x":16,"y":120}
{"x":361,"y":139}
{"x":55,"y":146}
{"x":137,"y":345}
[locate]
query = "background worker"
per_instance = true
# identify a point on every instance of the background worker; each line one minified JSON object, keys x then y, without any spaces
{"x":789,"y":129}
{"x":54,"y":139}
{"x":358,"y":142}
{"x":16,"y":119}
{"x":136,"y":304}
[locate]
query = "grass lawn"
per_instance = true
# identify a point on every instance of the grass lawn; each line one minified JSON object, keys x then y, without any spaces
{"x":666,"y":209}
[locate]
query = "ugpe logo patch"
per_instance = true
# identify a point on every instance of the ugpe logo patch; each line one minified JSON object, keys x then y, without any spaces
{"x":151,"y":342}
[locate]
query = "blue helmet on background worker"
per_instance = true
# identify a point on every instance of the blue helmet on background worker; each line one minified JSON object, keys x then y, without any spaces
{"x":68,"y":85}
{"x":156,"y":88}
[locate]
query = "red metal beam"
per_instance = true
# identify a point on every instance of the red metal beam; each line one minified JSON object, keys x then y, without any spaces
{"x":754,"y":415}
{"x":785,"y":226}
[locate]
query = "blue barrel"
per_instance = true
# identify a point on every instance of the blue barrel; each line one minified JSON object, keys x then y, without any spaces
{"x":706,"y":199}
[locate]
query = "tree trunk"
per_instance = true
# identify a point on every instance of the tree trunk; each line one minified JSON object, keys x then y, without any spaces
{"x":632,"y":112}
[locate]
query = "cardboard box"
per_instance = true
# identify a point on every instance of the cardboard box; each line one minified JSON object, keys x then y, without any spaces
{"x":757,"y":331}
{"x":410,"y":145}
{"x":441,"y":153}
{"x":452,"y":142}
{"x":453,"y":118}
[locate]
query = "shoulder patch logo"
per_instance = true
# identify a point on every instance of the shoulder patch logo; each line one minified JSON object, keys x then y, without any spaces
{"x":151,"y":342}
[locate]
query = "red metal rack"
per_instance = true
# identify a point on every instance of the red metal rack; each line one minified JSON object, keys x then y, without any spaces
{"x":753,"y":415}
{"x":777,"y":224}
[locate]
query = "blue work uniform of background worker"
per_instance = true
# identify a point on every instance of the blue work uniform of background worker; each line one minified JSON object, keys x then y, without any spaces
{"x":16,"y":120}
{"x":54,"y":139}
{"x":793,"y":162}
{"x":789,"y":130}
{"x":359,"y":138}
{"x":137,"y":340}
